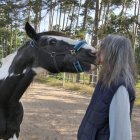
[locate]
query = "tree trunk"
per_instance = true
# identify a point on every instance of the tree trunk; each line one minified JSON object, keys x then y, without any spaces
{"x":95,"y":28}
{"x":37,"y":14}
{"x":60,"y":18}
{"x":100,"y":11}
{"x":11,"y":39}
{"x":78,"y":78}
{"x":64,"y":18}
{"x":106,"y":17}
{"x":85,"y":17}
{"x":72,"y":16}
{"x":135,"y":26}
{"x":95,"y":31}
{"x":77,"y":22}
{"x":68,"y":17}
{"x":50,"y":16}
{"x":57,"y":14}
{"x":53,"y":14}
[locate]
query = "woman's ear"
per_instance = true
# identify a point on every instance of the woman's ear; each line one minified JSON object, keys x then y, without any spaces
{"x":30,"y":31}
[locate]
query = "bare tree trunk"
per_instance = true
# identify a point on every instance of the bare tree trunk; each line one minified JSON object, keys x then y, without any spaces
{"x":85,"y":17}
{"x":135,"y":25}
{"x":64,"y":19}
{"x":11,"y":39}
{"x":106,"y":17}
{"x":37,"y":11}
{"x":103,"y":15}
{"x":29,"y":11}
{"x":50,"y":16}
{"x":122,"y":12}
{"x":68,"y":17}
{"x":72,"y":16}
{"x":60,"y":18}
{"x":95,"y":31}
{"x":78,"y":78}
{"x":57,"y":14}
{"x":101,"y":8}
{"x":53,"y":13}
{"x":123,"y":6}
{"x":77,"y":22}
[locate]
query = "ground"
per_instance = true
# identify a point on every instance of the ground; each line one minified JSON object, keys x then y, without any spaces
{"x":55,"y":114}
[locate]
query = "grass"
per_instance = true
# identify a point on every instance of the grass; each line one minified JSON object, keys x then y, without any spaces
{"x":137,"y":102}
{"x":138,"y":84}
{"x":68,"y":85}
{"x":80,"y":87}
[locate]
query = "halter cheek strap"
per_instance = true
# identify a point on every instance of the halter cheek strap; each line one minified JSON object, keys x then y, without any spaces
{"x":33,"y":43}
{"x":77,"y":64}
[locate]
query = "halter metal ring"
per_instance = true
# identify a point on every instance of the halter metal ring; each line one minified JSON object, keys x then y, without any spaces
{"x":72,"y":52}
{"x":53,"y":54}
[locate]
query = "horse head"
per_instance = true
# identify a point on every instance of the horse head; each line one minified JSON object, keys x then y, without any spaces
{"x":58,"y":53}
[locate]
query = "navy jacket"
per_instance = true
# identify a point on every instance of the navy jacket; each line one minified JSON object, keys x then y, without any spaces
{"x":95,"y":124}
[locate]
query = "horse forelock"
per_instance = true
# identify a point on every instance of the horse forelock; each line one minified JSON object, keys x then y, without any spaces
{"x":58,"y":35}
{"x":54,"y":33}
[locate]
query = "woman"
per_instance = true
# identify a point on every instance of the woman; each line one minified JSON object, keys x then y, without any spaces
{"x":109,"y":112}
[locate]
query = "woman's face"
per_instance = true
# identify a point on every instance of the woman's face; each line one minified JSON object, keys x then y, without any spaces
{"x":100,"y":56}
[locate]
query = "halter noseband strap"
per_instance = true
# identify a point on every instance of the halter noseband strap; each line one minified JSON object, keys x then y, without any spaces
{"x":77,"y":64}
{"x":77,"y":47}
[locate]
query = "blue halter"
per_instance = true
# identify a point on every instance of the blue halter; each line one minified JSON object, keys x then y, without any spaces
{"x":33,"y":43}
{"x":77,"y":64}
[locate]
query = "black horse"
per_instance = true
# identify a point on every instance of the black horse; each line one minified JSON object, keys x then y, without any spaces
{"x":49,"y":51}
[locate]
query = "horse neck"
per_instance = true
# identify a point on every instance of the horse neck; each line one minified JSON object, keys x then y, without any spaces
{"x":42,"y":61}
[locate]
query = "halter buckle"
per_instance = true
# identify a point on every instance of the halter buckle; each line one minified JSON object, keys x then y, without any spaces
{"x":53,"y":54}
{"x":72,"y":52}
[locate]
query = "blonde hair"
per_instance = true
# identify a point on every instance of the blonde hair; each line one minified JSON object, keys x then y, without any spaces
{"x":119,"y":61}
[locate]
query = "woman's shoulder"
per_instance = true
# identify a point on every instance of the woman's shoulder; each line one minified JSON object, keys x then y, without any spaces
{"x":121,"y":92}
{"x":121,"y":95}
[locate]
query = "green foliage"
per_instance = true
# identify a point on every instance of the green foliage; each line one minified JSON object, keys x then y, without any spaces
{"x":119,"y":2}
{"x":117,"y":25}
{"x":137,"y":55}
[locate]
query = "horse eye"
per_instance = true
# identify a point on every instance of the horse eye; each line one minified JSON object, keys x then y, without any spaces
{"x":52,"y":41}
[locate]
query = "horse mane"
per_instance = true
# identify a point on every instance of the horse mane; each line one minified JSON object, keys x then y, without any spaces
{"x":53,"y":33}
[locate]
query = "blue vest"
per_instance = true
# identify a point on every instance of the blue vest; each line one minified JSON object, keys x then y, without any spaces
{"x":95,"y":124}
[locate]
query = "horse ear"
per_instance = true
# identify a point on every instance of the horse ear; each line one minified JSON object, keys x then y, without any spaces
{"x":30,"y":31}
